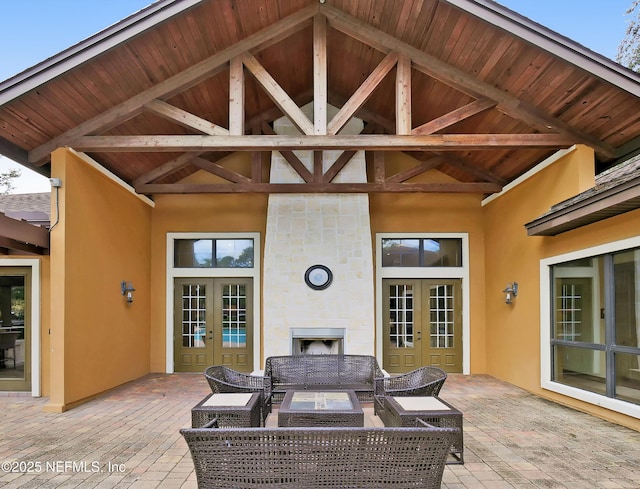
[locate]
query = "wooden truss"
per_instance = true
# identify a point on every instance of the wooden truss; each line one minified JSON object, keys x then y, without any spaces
{"x":320,"y":133}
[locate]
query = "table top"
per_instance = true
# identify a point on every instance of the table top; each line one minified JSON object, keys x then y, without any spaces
{"x":320,"y":401}
{"x":230,"y":399}
{"x":421,"y":404}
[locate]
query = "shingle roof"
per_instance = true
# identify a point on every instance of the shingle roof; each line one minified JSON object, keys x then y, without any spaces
{"x":34,"y":207}
{"x":616,"y":191}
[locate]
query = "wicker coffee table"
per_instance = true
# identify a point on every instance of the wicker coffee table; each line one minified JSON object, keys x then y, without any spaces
{"x":233,"y":410}
{"x":403,"y":411}
{"x":320,"y":408}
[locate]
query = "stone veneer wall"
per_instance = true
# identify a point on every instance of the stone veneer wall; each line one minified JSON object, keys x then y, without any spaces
{"x":308,"y":229}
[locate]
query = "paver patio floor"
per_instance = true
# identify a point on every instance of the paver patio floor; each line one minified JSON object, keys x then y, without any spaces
{"x":128,"y":438}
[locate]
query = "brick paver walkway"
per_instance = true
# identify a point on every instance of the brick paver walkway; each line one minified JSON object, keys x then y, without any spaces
{"x":129,"y":438}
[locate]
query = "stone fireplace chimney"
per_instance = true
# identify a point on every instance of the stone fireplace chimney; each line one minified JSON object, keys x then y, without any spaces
{"x":327,"y":229}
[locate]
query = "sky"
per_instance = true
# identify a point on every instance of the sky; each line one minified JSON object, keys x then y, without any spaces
{"x":34,"y":30}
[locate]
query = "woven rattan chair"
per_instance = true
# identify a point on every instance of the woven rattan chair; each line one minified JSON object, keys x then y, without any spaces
{"x":224,"y":379}
{"x":8,"y":342}
{"x":423,"y":381}
{"x":319,"y":458}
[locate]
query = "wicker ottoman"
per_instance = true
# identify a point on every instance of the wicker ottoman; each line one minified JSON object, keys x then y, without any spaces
{"x":403,"y":411}
{"x":239,"y":410}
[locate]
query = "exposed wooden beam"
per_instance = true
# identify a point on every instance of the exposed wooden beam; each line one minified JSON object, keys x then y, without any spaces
{"x":420,"y":168}
{"x":278,"y":95}
{"x":460,"y":80}
{"x":282,"y":188}
{"x":317,"y":166}
{"x":442,"y":142}
{"x":184,"y":118}
{"x":320,"y":85}
{"x":455,"y":116}
{"x":176,"y":84}
{"x":166,"y":169}
{"x":471,"y":169}
{"x":378,"y":167}
{"x":219,"y":170}
{"x":236,"y":97}
{"x":362,"y":94}
{"x":291,"y":158}
{"x":403,"y":96}
{"x":11,"y":245}
{"x":24,"y":232}
{"x":338,"y":165}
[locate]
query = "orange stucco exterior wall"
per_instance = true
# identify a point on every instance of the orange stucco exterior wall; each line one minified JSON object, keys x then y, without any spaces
{"x":106,"y":235}
{"x":513,"y":331}
{"x":198,"y":213}
{"x":439,"y":213}
{"x":97,"y":340}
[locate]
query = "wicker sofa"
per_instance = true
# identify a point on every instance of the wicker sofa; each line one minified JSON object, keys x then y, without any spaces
{"x":308,"y":372}
{"x":311,"y":458}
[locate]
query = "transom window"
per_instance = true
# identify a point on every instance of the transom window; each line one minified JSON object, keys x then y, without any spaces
{"x":421,"y":252}
{"x":213,"y":253}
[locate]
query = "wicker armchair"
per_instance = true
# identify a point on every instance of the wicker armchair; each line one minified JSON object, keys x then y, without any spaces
{"x":423,"y":381}
{"x":224,"y":379}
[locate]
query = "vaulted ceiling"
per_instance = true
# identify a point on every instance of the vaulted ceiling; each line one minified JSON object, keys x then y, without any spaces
{"x":464,"y":86}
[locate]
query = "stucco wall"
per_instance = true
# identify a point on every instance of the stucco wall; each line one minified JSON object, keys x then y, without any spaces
{"x":513,"y":331}
{"x":97,"y":340}
{"x":204,"y":213}
{"x":439,"y":213}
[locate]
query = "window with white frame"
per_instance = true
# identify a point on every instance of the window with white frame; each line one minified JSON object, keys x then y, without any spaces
{"x":594,"y":340}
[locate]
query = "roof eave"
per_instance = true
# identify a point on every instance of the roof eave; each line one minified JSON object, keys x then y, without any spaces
{"x":91,"y":47}
{"x":552,"y":42}
{"x":600,"y":206}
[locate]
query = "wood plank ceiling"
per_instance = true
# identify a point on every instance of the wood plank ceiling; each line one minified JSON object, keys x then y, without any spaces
{"x":454,"y":89}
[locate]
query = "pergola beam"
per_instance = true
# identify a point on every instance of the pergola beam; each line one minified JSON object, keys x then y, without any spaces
{"x":283,"y":188}
{"x":375,"y":142}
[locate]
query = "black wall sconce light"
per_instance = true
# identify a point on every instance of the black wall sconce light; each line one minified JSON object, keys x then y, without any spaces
{"x":127,"y":291}
{"x":510,"y":292}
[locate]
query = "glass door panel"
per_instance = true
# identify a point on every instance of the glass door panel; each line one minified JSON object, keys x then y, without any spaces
{"x":15,"y":344}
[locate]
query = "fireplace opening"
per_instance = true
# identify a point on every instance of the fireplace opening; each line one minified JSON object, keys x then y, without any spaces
{"x":317,"y":341}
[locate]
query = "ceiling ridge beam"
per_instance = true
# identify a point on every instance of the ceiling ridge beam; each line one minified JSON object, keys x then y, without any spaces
{"x":458,"y":79}
{"x":184,"y":118}
{"x":175,"y":84}
{"x":430,"y":142}
{"x":281,"y":188}
{"x":455,"y":116}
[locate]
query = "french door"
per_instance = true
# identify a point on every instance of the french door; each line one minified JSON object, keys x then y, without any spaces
{"x":15,"y":329}
{"x":422,"y":324}
{"x":213,"y":323}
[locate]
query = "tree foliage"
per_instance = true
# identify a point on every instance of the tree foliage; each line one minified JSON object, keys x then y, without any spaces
{"x":629,"y":48}
{"x":6,"y":181}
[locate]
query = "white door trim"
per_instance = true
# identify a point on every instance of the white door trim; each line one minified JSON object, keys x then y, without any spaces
{"x":36,"y":361}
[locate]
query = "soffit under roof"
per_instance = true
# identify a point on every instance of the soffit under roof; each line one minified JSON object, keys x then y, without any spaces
{"x":492,"y":93}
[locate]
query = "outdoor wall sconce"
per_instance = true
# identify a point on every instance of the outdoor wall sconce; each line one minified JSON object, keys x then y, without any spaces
{"x":127,"y":291}
{"x":511,"y":291}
